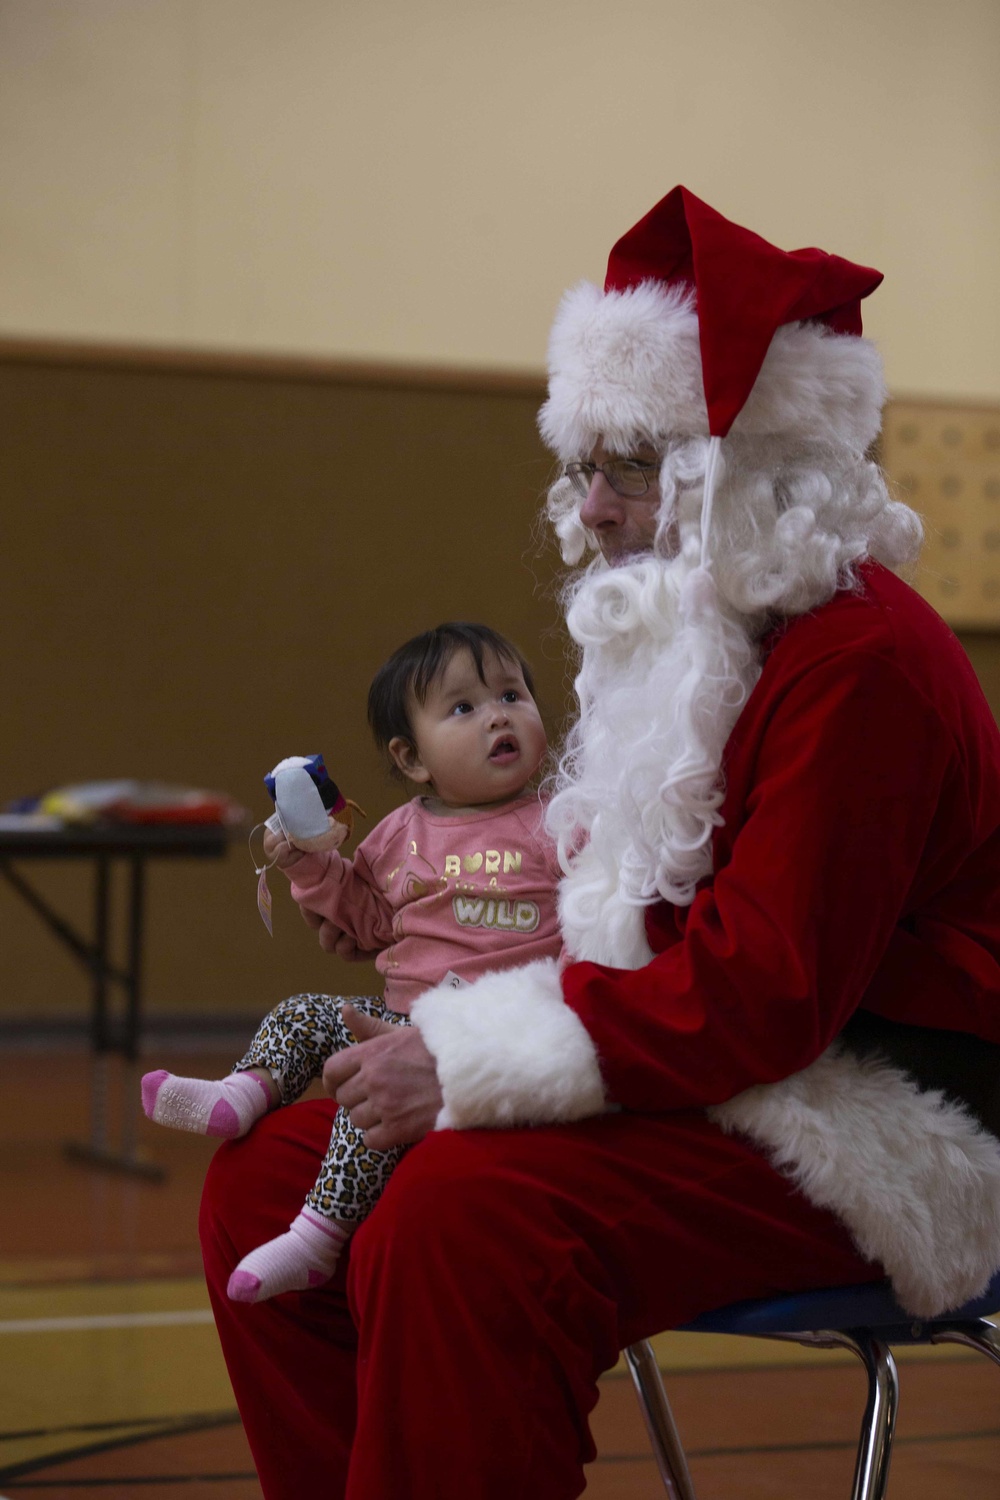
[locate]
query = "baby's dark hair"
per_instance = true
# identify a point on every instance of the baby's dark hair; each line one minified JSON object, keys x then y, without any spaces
{"x":417,"y":664}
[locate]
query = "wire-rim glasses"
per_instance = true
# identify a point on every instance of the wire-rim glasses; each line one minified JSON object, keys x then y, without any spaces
{"x":628,"y":477}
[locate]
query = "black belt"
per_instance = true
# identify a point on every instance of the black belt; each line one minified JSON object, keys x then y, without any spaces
{"x":962,"y":1066}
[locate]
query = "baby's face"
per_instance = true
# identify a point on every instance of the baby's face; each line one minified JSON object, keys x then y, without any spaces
{"x":477,"y":742}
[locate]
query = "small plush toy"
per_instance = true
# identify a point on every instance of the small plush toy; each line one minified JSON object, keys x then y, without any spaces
{"x":310,"y":808}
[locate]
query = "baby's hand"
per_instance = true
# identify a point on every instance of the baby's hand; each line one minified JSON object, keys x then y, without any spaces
{"x":278,"y":851}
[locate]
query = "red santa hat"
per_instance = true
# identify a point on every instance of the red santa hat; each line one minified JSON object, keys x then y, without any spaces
{"x":703,"y":328}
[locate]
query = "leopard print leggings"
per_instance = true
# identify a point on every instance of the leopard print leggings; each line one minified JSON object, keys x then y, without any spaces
{"x":293,"y":1043}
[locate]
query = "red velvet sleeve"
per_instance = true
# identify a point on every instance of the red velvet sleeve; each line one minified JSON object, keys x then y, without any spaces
{"x":843,"y":783}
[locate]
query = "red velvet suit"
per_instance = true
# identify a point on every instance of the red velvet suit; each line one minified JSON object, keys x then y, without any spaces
{"x":858,"y":865}
{"x":456,"y":1355}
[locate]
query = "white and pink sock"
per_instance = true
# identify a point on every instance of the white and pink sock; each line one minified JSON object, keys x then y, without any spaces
{"x":226,"y":1106}
{"x":305,"y":1256}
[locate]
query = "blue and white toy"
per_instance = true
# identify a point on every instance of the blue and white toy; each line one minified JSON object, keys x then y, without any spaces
{"x":310,"y":809}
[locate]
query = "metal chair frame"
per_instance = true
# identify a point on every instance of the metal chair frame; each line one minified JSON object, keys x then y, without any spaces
{"x":871,"y":1345}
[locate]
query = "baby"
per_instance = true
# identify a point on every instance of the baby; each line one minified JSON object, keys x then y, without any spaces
{"x":457,"y":882}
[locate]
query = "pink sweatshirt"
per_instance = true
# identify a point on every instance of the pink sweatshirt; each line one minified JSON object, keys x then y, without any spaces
{"x":436,"y":894}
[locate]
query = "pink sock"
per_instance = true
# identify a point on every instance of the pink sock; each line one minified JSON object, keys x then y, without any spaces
{"x":225,"y":1106}
{"x":305,"y":1256}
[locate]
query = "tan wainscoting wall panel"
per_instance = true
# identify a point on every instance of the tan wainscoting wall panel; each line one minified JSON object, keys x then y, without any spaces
{"x":944,"y":460}
{"x":203,"y":562}
{"x":203,"y":559}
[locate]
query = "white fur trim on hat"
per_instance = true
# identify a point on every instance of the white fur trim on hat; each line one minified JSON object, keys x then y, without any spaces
{"x":510,"y":1051}
{"x":626,"y":366}
{"x":912,"y":1176}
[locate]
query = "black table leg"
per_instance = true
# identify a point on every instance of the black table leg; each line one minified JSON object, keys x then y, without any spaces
{"x":98,"y":1151}
{"x":100,"y":1039}
{"x":133,"y":1009}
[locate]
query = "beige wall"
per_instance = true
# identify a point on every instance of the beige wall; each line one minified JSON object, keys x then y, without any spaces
{"x":201,"y":570}
{"x":420,"y":181}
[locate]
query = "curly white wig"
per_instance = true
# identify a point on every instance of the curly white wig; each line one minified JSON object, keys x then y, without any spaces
{"x":637,"y":792}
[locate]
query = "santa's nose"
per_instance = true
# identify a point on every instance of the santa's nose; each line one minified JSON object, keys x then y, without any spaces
{"x":602,"y":507}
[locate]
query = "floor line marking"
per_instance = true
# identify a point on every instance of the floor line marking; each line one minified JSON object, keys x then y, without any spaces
{"x":14,"y":1474}
{"x":19,"y":1435}
{"x":106,"y":1320}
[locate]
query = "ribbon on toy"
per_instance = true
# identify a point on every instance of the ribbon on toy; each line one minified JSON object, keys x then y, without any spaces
{"x":263,"y":893}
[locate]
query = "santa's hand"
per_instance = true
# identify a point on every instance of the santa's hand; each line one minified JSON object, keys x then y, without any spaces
{"x":333,"y":939}
{"x":388,"y":1083}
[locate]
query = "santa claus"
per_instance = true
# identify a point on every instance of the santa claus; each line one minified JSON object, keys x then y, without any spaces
{"x":778,"y":812}
{"x":780,"y":800}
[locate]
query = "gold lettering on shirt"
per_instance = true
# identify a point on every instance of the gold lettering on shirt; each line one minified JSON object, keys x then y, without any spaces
{"x":413,"y":847}
{"x":502,"y":916}
{"x":488,"y":860}
{"x":468,"y":913}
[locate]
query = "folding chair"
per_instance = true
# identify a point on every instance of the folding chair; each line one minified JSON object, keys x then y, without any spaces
{"x":865,"y":1319}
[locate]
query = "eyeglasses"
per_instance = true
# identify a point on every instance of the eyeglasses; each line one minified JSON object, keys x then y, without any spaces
{"x":628,"y":477}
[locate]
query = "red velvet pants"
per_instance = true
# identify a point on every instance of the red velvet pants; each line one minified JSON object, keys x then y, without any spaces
{"x":455,"y":1355}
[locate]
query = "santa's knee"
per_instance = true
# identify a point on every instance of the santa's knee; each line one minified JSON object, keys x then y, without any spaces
{"x":255,"y":1185}
{"x":226,"y":1183}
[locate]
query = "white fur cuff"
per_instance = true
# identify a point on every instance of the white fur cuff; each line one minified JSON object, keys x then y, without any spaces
{"x":913,"y":1176}
{"x":510,"y":1051}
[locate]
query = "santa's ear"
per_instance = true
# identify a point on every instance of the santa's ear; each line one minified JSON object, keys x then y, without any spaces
{"x":406,"y":759}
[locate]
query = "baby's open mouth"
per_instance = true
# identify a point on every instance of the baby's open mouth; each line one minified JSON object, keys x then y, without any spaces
{"x":505,"y":748}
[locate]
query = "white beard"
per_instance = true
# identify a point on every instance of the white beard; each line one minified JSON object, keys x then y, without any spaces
{"x":638,"y":789}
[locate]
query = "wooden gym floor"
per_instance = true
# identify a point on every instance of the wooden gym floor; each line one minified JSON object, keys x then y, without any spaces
{"x":112,"y":1385}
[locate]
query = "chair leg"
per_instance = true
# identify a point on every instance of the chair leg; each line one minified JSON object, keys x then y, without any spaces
{"x":659,"y":1421}
{"x":871,"y":1472}
{"x":978,"y":1333}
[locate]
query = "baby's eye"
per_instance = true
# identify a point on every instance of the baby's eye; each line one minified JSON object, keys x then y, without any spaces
{"x":462,"y":708}
{"x":510,"y":696}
